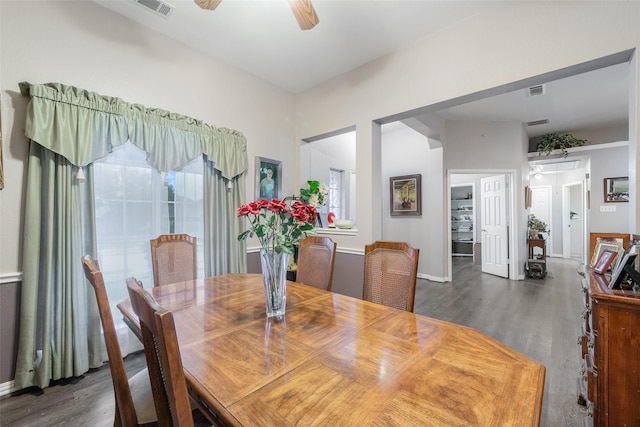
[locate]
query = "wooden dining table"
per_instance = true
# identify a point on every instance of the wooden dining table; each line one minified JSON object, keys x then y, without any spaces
{"x":340,"y":361}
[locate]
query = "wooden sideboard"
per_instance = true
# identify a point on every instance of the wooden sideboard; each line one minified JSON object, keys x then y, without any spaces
{"x":610,"y":382}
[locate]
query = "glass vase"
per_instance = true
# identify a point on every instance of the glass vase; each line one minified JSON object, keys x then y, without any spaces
{"x":274,"y":278}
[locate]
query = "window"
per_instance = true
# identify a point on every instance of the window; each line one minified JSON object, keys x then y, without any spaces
{"x":336,"y":193}
{"x":135,"y":203}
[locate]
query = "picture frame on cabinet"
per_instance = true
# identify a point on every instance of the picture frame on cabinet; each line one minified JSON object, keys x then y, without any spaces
{"x":620,"y":274}
{"x":406,"y":195}
{"x":604,"y":262}
{"x":596,"y":240}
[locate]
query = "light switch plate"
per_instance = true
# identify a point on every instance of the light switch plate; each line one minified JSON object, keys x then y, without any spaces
{"x":608,"y":208}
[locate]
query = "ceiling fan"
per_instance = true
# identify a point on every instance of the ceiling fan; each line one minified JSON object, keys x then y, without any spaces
{"x":302,"y":9}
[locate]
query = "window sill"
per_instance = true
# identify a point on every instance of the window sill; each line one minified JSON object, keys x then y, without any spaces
{"x":337,"y":231}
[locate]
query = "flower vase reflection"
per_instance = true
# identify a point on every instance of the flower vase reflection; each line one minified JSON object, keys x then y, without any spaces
{"x":275,"y":336}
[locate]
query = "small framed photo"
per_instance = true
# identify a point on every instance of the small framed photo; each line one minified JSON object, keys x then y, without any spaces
{"x":616,"y":190}
{"x":605,"y":244}
{"x":406,"y":195}
{"x":604,"y":262}
{"x":619,"y":275}
{"x":268,"y":179}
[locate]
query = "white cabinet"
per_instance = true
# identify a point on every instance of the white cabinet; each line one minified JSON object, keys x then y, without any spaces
{"x":462,"y":220}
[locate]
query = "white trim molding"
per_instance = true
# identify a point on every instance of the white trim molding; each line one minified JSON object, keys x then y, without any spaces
{"x":7,"y":388}
{"x":10,"y":278}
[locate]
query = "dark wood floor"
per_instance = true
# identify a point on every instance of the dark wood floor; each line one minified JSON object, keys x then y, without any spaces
{"x":539,"y":318}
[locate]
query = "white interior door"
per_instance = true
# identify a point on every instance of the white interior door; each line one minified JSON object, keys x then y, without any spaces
{"x":573,"y":221}
{"x":493,"y":196}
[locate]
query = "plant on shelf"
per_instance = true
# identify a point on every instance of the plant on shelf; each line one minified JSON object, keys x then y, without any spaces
{"x":554,"y":141}
{"x":315,"y":194}
{"x":536,"y":226}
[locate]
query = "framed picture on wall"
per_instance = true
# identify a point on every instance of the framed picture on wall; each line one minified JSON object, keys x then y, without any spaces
{"x":406,"y":194}
{"x":616,"y":190}
{"x":268,"y":178}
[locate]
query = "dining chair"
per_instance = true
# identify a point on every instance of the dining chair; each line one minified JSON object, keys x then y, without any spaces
{"x":174,"y":258}
{"x":316,"y":256}
{"x":161,"y":350}
{"x":390,"y":272}
{"x":133,"y":396}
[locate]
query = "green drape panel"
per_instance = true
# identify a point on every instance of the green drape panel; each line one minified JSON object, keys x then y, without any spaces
{"x":222,"y":251}
{"x":70,"y":127}
{"x":55,"y":340}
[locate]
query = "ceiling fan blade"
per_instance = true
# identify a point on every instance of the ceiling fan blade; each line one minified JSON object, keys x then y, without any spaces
{"x":208,"y":4}
{"x":305,"y":13}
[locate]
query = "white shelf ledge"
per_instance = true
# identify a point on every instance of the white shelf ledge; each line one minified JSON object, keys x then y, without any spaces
{"x":337,"y":231}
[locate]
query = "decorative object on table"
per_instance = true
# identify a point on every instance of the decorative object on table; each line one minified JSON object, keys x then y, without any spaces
{"x":555,"y":141}
{"x":605,"y":260}
{"x":344,"y":224}
{"x":331,"y":217}
{"x":268,"y":179}
{"x":406,"y":195}
{"x":315,"y":195}
{"x":279,"y":228}
{"x":536,"y":227}
{"x":616,"y":190}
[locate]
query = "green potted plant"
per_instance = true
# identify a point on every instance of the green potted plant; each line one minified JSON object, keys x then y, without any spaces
{"x":554,"y":141}
{"x":536,"y":226}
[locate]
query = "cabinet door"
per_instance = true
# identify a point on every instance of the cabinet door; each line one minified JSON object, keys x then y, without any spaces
{"x":622,"y":364}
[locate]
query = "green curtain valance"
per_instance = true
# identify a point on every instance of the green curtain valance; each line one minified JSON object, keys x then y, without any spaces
{"x":84,"y":126}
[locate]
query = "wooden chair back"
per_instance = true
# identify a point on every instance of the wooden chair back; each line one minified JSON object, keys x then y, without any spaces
{"x":174,"y":258}
{"x":161,"y":349}
{"x":316,"y":256}
{"x":125,"y":409}
{"x":390,"y":273}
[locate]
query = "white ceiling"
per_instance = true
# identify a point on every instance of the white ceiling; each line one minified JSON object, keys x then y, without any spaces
{"x":262,"y":37}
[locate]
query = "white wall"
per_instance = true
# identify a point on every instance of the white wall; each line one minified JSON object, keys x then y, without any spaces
{"x":497,"y":147}
{"x":85,"y":45}
{"x":406,"y":152}
{"x":317,"y":158}
{"x":603,"y":163}
{"x":495,"y":47}
{"x":609,"y":163}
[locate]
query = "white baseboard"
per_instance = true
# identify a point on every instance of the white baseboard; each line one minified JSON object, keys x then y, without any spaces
{"x":430,"y":277}
{"x":6,"y":388}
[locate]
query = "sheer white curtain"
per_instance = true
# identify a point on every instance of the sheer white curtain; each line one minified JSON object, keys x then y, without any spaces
{"x":135,"y":203}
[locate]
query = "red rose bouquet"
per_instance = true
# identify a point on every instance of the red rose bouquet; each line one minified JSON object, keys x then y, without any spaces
{"x":277,"y":226}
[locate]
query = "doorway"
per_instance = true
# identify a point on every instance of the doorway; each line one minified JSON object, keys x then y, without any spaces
{"x":573,"y":221}
{"x":482,"y":253}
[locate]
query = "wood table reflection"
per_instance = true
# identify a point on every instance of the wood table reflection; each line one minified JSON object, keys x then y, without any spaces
{"x":338,"y":360}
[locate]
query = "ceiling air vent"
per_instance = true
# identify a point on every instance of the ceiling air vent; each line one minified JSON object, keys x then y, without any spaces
{"x":536,"y":90}
{"x":158,"y":7}
{"x":538,"y":122}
